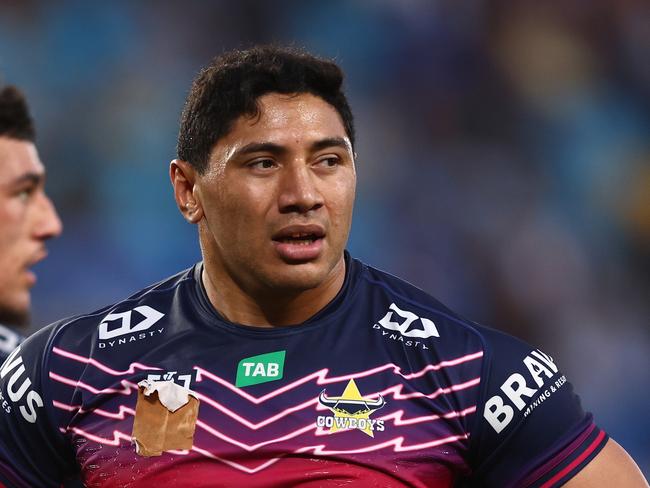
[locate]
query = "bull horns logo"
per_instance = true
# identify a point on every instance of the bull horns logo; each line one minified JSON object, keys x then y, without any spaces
{"x":351,"y":411}
{"x":350,"y":406}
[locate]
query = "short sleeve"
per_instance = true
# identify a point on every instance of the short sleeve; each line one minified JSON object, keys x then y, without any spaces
{"x":531,"y":429}
{"x":32,"y":452}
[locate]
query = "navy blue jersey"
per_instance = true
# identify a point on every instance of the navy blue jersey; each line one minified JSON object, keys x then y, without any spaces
{"x":9,"y":340}
{"x":383,"y":387}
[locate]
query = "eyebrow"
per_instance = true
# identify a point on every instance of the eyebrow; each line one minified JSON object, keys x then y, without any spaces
{"x":273,"y":148}
{"x":254,"y":147}
{"x":33,"y":178}
{"x":331,"y":142}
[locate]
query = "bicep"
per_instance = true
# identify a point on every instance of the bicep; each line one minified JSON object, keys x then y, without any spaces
{"x":32,"y":450}
{"x":611,"y":467}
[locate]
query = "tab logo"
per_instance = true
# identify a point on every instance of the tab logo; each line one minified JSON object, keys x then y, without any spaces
{"x":260,"y":369}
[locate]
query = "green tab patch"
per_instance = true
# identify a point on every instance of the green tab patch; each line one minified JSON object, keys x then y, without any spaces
{"x":260,"y":369}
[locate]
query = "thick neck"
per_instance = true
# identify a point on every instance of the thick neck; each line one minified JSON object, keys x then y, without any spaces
{"x":270,"y":308}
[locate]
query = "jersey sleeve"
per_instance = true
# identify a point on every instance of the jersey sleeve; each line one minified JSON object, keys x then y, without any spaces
{"x":9,"y":340}
{"x":33,"y":453}
{"x":530,"y":429}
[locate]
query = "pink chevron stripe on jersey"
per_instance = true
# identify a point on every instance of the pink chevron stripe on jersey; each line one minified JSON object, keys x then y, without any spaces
{"x":320,"y":376}
{"x":395,"y":416}
{"x":119,"y":415}
{"x":103,"y":367}
{"x":127,"y":386}
{"x":118,"y":437}
{"x":396,"y":443}
{"x":395,"y":391}
{"x":398,"y":421}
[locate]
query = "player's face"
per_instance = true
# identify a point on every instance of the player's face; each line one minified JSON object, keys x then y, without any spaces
{"x":27,"y":220}
{"x":278,"y":194}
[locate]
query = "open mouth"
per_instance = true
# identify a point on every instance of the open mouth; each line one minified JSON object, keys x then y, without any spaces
{"x":299,"y":234}
{"x":301,"y":239}
{"x":299,"y":243}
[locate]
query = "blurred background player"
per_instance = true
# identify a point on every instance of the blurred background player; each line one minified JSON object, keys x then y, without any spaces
{"x":27,"y":216}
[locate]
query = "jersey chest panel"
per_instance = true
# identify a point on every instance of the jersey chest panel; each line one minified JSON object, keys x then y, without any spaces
{"x":345,"y":404}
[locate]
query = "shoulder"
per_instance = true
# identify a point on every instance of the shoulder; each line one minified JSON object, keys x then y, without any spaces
{"x":411,"y":311}
{"x":136,"y":313}
{"x":9,"y":340}
{"x":454,"y":324}
{"x":526,"y":410}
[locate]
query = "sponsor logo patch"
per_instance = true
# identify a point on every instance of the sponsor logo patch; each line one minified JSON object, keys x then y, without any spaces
{"x":517,"y":391}
{"x":20,"y":393}
{"x":119,"y":328}
{"x":351,"y":411}
{"x":183,"y":379}
{"x":260,"y":369}
{"x":406,"y":327}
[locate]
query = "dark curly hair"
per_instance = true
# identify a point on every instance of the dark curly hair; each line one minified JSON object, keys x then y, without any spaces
{"x":231,"y":85}
{"x":15,"y":120}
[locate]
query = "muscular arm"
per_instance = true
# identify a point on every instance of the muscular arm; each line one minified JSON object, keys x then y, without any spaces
{"x":611,"y":467}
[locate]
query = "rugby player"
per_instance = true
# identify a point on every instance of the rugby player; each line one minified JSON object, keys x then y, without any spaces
{"x":310,"y":368}
{"x":27,"y":216}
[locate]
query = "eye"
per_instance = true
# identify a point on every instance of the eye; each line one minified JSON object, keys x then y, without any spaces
{"x":25,"y":193}
{"x":329,"y":161}
{"x":262,"y":164}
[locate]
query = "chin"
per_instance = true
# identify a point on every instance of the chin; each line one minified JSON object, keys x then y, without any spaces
{"x":16,"y":316}
{"x":298,"y":279}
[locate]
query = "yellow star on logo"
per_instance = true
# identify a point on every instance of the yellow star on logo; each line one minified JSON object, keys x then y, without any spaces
{"x":351,"y":410}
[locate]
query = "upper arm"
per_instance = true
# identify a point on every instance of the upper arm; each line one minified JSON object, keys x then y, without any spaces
{"x":532,"y":430}
{"x":611,"y":467}
{"x":32,"y":452}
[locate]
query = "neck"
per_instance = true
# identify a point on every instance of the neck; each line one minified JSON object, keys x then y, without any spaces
{"x":270,"y":308}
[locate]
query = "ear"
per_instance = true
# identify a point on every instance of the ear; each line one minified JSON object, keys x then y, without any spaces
{"x":183,"y":177}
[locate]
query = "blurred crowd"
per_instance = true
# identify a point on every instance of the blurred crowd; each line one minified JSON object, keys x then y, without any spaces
{"x":503,"y":158}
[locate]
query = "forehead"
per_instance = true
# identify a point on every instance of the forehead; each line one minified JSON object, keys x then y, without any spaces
{"x":287,"y":119}
{"x":17,"y":158}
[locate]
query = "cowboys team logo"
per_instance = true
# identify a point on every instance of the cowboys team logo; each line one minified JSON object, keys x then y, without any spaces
{"x":351,"y":411}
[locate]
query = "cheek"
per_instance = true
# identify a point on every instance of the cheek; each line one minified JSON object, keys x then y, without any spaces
{"x":344,"y":200}
{"x":12,"y":256}
{"x":12,"y":228}
{"x":236,"y":213}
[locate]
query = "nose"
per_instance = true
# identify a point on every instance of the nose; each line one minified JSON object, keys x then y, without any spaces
{"x":299,"y":190}
{"x":47,"y":221}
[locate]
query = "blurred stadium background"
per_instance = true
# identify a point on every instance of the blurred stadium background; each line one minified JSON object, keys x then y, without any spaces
{"x":504,"y":158}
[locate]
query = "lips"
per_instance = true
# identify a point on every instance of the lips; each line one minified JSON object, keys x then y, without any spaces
{"x":299,"y":243}
{"x":35,"y":258}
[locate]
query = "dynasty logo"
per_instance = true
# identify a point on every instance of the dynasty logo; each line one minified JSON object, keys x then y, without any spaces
{"x":351,"y":411}
{"x":404,"y":326}
{"x":130,"y":327}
